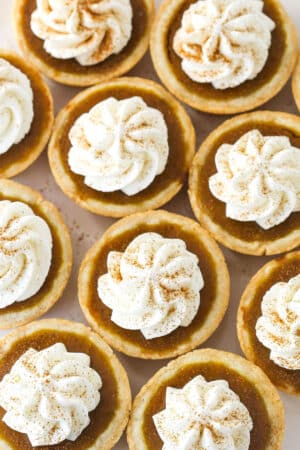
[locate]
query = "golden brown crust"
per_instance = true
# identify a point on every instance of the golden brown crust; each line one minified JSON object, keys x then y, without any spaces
{"x":296,"y":84}
{"x":246,"y":303}
{"x":215,"y":315}
{"x":11,"y":189}
{"x":42,"y":95}
{"x":111,"y":435}
{"x":81,"y":79}
{"x":245,"y":369}
{"x":253,"y":247}
{"x":107,"y":208}
{"x":238,"y":104}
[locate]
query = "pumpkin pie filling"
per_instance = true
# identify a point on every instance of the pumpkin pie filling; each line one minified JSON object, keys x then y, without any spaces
{"x":43,"y":116}
{"x":206,"y":90}
{"x":179,"y":155}
{"x":285,"y":269}
{"x":31,"y":43}
{"x":101,"y":417}
{"x":102,"y":314}
{"x":249,"y":396}
{"x":56,"y":262}
{"x":215,"y":209}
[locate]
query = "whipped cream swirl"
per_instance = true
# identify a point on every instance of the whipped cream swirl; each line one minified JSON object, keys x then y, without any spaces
{"x":25,"y":252}
{"x":48,"y":395}
{"x":258,"y":178}
{"x":204,"y":416}
{"x":119,"y":145}
{"x":278,"y":328}
{"x":153,"y":286}
{"x":224,"y":42}
{"x":16,"y":105}
{"x":88,"y":30}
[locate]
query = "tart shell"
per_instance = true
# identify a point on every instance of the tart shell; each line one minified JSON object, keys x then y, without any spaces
{"x":112,"y":434}
{"x":235,"y":103}
{"x":246,"y":370}
{"x":72,"y":73}
{"x":128,"y":344}
{"x":20,"y":156}
{"x":259,"y":241}
{"x":277,"y":270}
{"x":296,"y":84}
{"x":163,"y":188}
{"x":20,"y":313}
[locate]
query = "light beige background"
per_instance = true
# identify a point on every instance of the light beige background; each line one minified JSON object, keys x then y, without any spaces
{"x":86,"y":228}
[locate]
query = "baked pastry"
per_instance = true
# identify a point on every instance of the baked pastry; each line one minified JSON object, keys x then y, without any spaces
{"x":244,"y":183}
{"x":35,"y":254}
{"x":82,"y":43}
{"x":122,"y":147}
{"x":268,"y":321}
{"x":207,"y":399}
{"x":296,"y":84}
{"x":154,"y":286}
{"x":26,"y":114}
{"x":223,"y":56}
{"x":61,"y":387}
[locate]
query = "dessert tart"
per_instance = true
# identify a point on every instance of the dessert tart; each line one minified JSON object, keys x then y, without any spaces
{"x":26,"y":114}
{"x":221,"y":56}
{"x":81,"y":43}
{"x":207,"y":399}
{"x":154,"y":286}
{"x":296,"y":84}
{"x":244,"y":183}
{"x":122,"y":147}
{"x":35,"y":254}
{"x":268,"y":321}
{"x":61,"y":387}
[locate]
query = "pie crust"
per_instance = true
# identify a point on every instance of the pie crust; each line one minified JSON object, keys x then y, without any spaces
{"x":296,"y":84}
{"x":247,"y":380}
{"x":205,"y":97}
{"x":70,"y":72}
{"x":243,"y":237}
{"x":163,"y":188}
{"x":44,"y":333}
{"x":214,"y":295}
{"x":277,"y":270}
{"x":20,"y":313}
{"x":20,"y":156}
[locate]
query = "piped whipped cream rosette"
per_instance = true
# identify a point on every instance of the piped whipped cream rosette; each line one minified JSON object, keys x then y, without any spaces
{"x":88,"y":30}
{"x":204,"y":416}
{"x":153,"y":286}
{"x":119,"y":145}
{"x":224,"y":42}
{"x":25,"y":252}
{"x":48,"y":395}
{"x":16,"y":105}
{"x":278,"y":328}
{"x":258,"y":177}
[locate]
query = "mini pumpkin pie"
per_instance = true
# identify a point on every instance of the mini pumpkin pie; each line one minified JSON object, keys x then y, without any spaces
{"x":81,"y":43}
{"x":154,"y":286}
{"x":244,"y":183}
{"x":269,"y":321}
{"x":223,"y":56}
{"x":122,"y":147}
{"x":207,"y":399}
{"x":35,"y":254}
{"x":296,"y":84}
{"x":61,"y":387}
{"x":26,"y":114}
